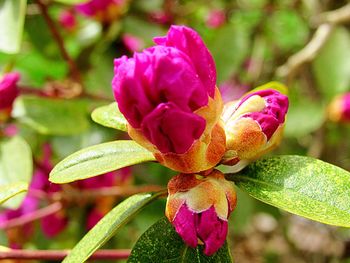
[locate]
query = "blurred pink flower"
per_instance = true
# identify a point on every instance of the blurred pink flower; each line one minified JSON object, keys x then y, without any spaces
{"x":216,"y":18}
{"x":232,"y":90}
{"x":339,"y":108}
{"x":67,"y":20}
{"x":8,"y":89}
{"x":161,"y":17}
{"x":133,"y":43}
{"x":102,"y":10}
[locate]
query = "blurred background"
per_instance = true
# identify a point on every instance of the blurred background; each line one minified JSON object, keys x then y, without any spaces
{"x":67,"y":53}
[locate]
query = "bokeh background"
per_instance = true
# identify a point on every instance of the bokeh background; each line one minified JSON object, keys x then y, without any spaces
{"x":305,"y":44}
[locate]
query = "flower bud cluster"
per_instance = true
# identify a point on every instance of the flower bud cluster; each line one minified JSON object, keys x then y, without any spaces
{"x":169,"y":97}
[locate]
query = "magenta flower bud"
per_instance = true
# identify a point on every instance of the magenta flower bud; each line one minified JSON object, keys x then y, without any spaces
{"x":102,"y":10}
{"x":339,"y":108}
{"x":8,"y":90}
{"x":167,"y":94}
{"x":198,"y":207}
{"x":253,"y":126}
{"x":67,"y":20}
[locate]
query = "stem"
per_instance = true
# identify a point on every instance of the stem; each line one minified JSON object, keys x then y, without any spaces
{"x":338,"y":16}
{"x":32,"y":91}
{"x":121,"y":191}
{"x":307,"y":53}
{"x":61,"y":254}
{"x":75,"y":74}
{"x":326,"y":22}
{"x":30,"y":217}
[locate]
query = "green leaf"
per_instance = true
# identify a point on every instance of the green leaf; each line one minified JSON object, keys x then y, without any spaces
{"x":99,"y":159}
{"x":304,"y":116}
{"x":334,"y":79}
{"x":300,"y":185}
{"x":15,"y":169}
{"x":10,"y":190}
{"x":52,"y":116}
{"x":229,"y":59}
{"x":161,"y":243}
{"x":287,"y":30}
{"x":12,"y":14}
{"x":110,"y":116}
{"x":108,"y":226}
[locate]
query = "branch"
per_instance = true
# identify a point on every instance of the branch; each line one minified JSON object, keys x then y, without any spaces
{"x":30,"y":217}
{"x":59,"y":40}
{"x":308,"y":53}
{"x":326,"y":22}
{"x":338,"y":16}
{"x":61,"y":254}
{"x":121,"y":191}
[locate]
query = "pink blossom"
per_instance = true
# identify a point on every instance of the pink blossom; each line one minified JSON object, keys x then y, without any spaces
{"x":232,"y":90}
{"x":67,"y":20}
{"x":159,"y":90}
{"x":102,"y":10}
{"x":339,"y":108}
{"x":253,"y":125}
{"x":216,"y":18}
{"x":8,"y":89}
{"x":199,"y":207}
{"x":168,"y":95}
{"x":133,"y":43}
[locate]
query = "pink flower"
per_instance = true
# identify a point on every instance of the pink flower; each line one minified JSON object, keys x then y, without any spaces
{"x":8,"y":90}
{"x":339,"y":108}
{"x":232,"y":90}
{"x":94,"y":216}
{"x":161,"y":17}
{"x":168,"y":95}
{"x":253,"y":126}
{"x":54,"y":224}
{"x":216,"y":18}
{"x":67,"y":20}
{"x":199,"y":207}
{"x":133,"y":43}
{"x":102,"y":10}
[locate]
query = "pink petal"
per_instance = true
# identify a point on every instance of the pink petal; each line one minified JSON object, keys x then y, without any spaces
{"x":189,"y":42}
{"x":8,"y":89}
{"x":211,"y":230}
{"x":53,"y":224}
{"x":184,"y":223}
{"x":171,"y":129}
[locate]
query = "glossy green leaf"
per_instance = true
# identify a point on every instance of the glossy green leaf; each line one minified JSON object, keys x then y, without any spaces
{"x":300,"y":185}
{"x":334,"y":79}
{"x":12,"y":14}
{"x":108,"y":226}
{"x":15,"y":170}
{"x":161,"y":243}
{"x":99,"y":159}
{"x":110,"y":116}
{"x":52,"y":116}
